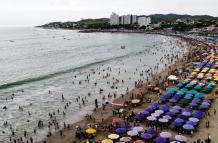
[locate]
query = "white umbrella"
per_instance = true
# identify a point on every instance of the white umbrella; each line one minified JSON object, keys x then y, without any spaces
{"x":132,"y":133}
{"x":172,"y":77}
{"x":159,"y":111}
{"x":181,"y":138}
{"x":113,"y":136}
{"x":165,"y":134}
{"x":163,"y":120}
{"x":138,"y":129}
{"x":151,"y":118}
{"x":193,"y":119}
{"x":135,"y":101}
{"x":155,"y":114}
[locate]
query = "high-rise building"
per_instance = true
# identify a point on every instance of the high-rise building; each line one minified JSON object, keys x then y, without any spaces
{"x":127,"y":19}
{"x":114,"y":19}
{"x":143,"y":21}
{"x":134,"y":19}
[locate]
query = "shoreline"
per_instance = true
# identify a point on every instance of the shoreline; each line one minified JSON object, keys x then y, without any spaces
{"x":69,"y":133}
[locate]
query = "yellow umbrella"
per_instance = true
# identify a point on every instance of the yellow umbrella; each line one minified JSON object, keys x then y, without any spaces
{"x":197,"y":70}
{"x":107,"y":141}
{"x":90,"y":131}
{"x":113,"y":136}
{"x":212,"y":71}
{"x":194,"y":73}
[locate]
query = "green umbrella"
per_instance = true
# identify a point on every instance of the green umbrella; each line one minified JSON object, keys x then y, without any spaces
{"x":183,"y":101}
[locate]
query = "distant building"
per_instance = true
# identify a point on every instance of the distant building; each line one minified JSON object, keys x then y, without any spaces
{"x":127,"y":19}
{"x":217,"y":22}
{"x":114,"y":19}
{"x":134,"y":19}
{"x":143,"y":21}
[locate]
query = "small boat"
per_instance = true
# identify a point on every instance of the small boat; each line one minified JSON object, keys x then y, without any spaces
{"x":122,"y":47}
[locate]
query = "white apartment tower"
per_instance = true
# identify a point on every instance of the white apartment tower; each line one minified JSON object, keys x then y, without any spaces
{"x":143,"y":21}
{"x":114,"y":19}
{"x":127,"y":19}
{"x":134,"y":19}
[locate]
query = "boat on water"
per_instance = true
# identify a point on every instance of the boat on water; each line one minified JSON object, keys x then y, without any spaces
{"x":123,"y":47}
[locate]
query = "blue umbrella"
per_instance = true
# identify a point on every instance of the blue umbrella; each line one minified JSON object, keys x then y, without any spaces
{"x":160,"y":140}
{"x":191,"y":123}
{"x":174,"y":111}
{"x":179,"y":120}
{"x":120,"y":130}
{"x":127,"y":126}
{"x":188,"y":127}
{"x":152,"y":132}
{"x":177,"y":107}
{"x":146,"y":136}
{"x":176,"y":124}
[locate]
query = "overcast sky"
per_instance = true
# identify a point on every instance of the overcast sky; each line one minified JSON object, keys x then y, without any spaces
{"x":35,"y":12}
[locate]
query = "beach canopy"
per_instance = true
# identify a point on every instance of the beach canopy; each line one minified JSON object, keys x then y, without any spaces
{"x":113,"y":136}
{"x":146,"y":136}
{"x":160,"y":140}
{"x":165,"y":134}
{"x":90,"y":131}
{"x":193,"y":119}
{"x":107,"y":141}
{"x":138,"y":129}
{"x":181,"y":138}
{"x":139,"y":141}
{"x":125,"y":139}
{"x":172,"y":77}
{"x":132,"y":133}
{"x":188,"y":127}
{"x":120,"y":130}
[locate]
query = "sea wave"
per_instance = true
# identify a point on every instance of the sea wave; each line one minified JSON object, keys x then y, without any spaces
{"x":44,"y":77}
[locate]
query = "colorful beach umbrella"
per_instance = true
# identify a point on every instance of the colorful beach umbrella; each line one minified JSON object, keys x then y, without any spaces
{"x":181,"y":138}
{"x":113,"y":136}
{"x":90,"y":131}
{"x":107,"y":141}
{"x":139,"y":141}
{"x":132,"y":133}
{"x":125,"y":139}
{"x":165,"y":134}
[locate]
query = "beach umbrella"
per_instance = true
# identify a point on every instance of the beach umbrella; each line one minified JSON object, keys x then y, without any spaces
{"x":165,"y":134}
{"x":188,"y":127}
{"x":146,"y":136}
{"x":138,"y":129}
{"x":120,"y":130}
{"x":175,"y":142}
{"x":167,"y":117}
{"x":181,"y":138}
{"x":204,"y":107}
{"x":125,"y":139}
{"x":192,"y":123}
{"x":159,"y":111}
{"x":160,"y":140}
{"x":176,"y":124}
{"x":127,"y":126}
{"x":155,"y":114}
{"x":162,"y":120}
{"x":90,"y":131}
{"x":88,"y":141}
{"x":192,"y":92}
{"x":113,"y":136}
{"x":135,"y":101}
{"x":206,"y":103}
{"x":152,"y":132}
{"x":174,"y":110}
{"x":107,"y":141}
{"x":139,"y":141}
{"x":177,"y":107}
{"x":193,"y":119}
{"x":183,"y":101}
{"x":151,"y":118}
{"x":179,"y":120}
{"x":132,"y":133}
{"x":185,"y":113}
{"x":199,"y":95}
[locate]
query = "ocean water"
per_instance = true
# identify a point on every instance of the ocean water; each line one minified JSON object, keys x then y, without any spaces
{"x":34,"y":61}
